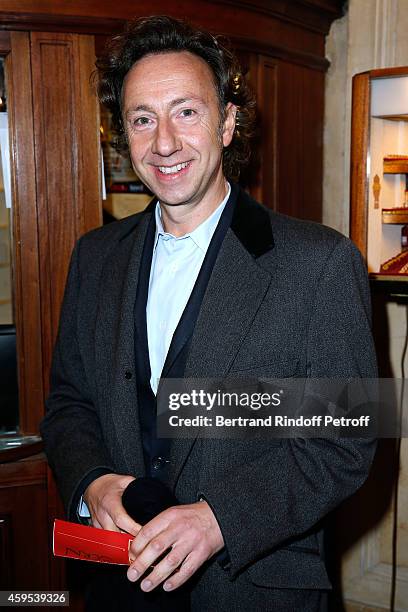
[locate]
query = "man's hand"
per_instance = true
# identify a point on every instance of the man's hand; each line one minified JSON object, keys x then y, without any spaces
{"x":193,"y":535}
{"x":104,"y":500}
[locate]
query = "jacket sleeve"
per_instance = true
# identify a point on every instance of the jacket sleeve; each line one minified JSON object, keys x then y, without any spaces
{"x":71,"y":430}
{"x":283,"y":493}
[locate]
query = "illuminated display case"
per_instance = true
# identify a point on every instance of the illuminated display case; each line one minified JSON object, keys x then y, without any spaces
{"x":379,"y":173}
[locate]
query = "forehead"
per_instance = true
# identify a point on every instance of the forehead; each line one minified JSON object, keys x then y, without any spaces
{"x":178,"y":72}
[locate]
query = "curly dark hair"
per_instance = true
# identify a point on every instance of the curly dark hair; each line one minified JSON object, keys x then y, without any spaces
{"x":161,"y":34}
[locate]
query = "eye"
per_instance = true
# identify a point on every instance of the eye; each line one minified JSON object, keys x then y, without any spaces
{"x":187,"y":112}
{"x":141,"y":121}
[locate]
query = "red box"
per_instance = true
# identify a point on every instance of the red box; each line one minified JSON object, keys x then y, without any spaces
{"x":90,"y":544}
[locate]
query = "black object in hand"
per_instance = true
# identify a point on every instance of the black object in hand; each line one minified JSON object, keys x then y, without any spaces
{"x":144,"y":498}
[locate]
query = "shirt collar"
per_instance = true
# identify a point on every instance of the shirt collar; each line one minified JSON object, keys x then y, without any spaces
{"x":202,"y":234}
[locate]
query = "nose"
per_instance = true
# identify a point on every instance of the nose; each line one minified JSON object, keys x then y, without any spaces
{"x":166,"y":141}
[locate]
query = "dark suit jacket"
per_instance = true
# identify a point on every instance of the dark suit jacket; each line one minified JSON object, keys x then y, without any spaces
{"x":285,"y":298}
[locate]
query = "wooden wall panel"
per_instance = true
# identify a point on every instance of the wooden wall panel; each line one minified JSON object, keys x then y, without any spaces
{"x":5,"y":42}
{"x":6,"y":550}
{"x":300,"y":115}
{"x":23,"y":506}
{"x":250,"y":177}
{"x":54,"y":123}
{"x":67,"y":162}
{"x":89,"y":151}
{"x":267,"y":111}
{"x":56,"y":166}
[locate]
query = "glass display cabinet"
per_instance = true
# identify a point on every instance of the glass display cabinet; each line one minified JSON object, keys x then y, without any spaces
{"x":379,"y":174}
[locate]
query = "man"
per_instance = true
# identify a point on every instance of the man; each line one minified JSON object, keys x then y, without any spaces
{"x":206,"y":283}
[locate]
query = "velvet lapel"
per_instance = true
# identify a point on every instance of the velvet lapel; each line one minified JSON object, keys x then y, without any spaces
{"x":235,"y":291}
{"x":115,"y":349}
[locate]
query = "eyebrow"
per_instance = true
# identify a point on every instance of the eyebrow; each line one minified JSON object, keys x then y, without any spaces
{"x":149,"y":109}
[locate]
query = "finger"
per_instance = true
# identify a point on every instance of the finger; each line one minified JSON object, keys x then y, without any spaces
{"x":125,"y":523}
{"x":151,"y":553}
{"x":151,"y":530}
{"x":114,"y":518}
{"x":121,"y":523}
{"x":166,"y":567}
{"x":189,"y":566}
{"x":96,"y":524}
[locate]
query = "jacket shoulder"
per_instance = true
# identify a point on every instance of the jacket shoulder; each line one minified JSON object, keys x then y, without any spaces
{"x":96,"y":247}
{"x":301,"y":234}
{"x":116,"y":230}
{"x":288,"y":236}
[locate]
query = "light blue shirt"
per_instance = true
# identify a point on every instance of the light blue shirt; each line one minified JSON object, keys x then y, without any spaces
{"x":176,"y":263}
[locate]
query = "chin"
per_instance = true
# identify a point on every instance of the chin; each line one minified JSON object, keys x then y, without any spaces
{"x":173,"y":199}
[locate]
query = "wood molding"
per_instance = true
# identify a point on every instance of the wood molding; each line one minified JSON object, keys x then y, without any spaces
{"x":310,"y":60}
{"x":314,"y":15}
{"x":30,"y":471}
{"x":358,"y":161}
{"x":21,"y":452}
{"x":103,"y":26}
{"x":388,"y":72}
{"x":25,"y":229}
{"x":89,"y":149}
{"x":109,"y":26}
{"x":52,"y":22}
{"x":296,"y":27}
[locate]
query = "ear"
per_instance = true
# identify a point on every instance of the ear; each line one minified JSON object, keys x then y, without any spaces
{"x":229,"y":124}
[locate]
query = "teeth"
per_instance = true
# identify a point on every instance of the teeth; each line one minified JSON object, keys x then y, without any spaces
{"x":173,"y":169}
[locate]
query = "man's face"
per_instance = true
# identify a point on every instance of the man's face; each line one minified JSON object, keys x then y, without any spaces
{"x":174,"y":129}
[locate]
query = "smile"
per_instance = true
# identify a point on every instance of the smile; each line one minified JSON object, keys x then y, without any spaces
{"x":173,"y":169}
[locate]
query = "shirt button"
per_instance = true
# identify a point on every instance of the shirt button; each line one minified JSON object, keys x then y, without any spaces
{"x":128,"y":374}
{"x":158,"y":463}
